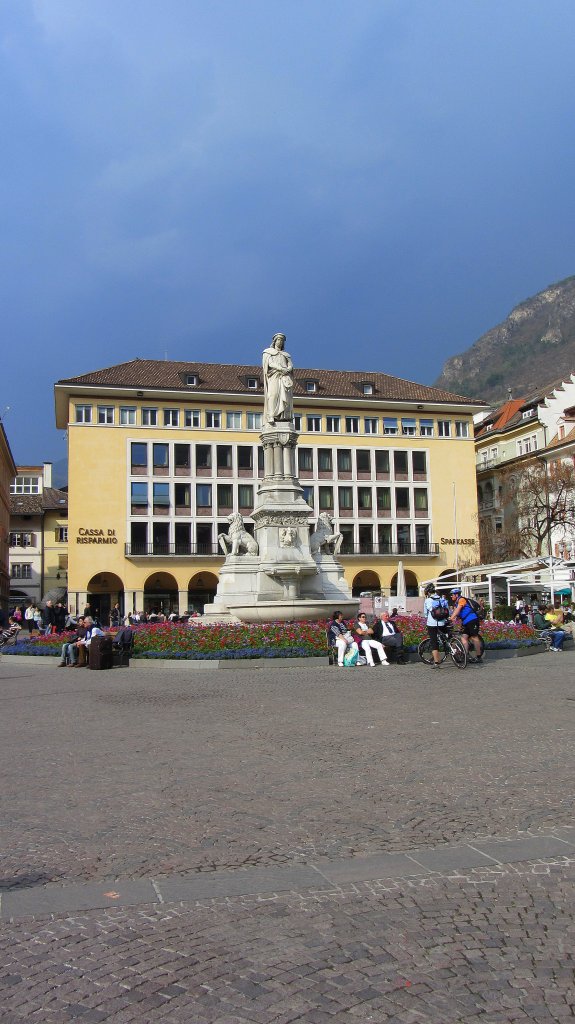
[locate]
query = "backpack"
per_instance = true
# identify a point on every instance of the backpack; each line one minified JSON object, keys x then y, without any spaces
{"x":440,"y":611}
{"x":476,"y":607}
{"x":350,"y":657}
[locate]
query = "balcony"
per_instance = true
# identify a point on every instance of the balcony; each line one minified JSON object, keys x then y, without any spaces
{"x":391,"y":550}
{"x":193,"y":550}
{"x":170,"y":550}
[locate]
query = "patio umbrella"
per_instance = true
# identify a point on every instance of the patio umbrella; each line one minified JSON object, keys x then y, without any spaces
{"x":401,"y":588}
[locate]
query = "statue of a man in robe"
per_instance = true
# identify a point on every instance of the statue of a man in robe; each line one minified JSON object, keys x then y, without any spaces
{"x":278,"y":383}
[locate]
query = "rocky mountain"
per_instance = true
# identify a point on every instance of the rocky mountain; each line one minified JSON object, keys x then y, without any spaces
{"x":534,"y":344}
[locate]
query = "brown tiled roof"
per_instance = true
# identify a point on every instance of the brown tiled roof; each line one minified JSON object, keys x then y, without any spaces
{"x":558,"y":442}
{"x":224,"y":378}
{"x":36,"y":504}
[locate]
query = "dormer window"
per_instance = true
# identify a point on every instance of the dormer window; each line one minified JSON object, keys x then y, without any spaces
{"x":311,"y":386}
{"x":191,"y":380}
{"x":253,"y":383}
{"x":367,"y":388}
{"x":527,"y":414}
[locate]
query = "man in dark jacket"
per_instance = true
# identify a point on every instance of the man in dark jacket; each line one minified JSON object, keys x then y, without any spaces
{"x":49,"y":617}
{"x":386,"y":631}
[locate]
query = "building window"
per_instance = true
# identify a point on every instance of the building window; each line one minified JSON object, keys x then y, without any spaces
{"x":444,"y":428}
{"x":83,"y":414}
{"x":171,"y":417}
{"x":203,"y":456}
{"x":225,"y":497}
{"x":382,"y":461}
{"x":364,"y":498}
{"x":105,"y":414}
{"x":389,"y":425}
{"x":345,"y":498}
{"x":213,"y":419}
{"x":161,"y":458}
{"x":314,"y":424}
{"x":311,"y":386}
{"x":25,"y":485}
{"x":149,"y":417}
{"x":400,"y":466}
{"x":161,"y":496}
{"x":420,"y":500}
{"x":404,"y":539}
{"x":352,"y":424}
{"x":494,"y":453}
{"x":254,"y":420}
{"x":233,"y":421}
{"x":401,"y":499}
{"x":245,"y":458}
{"x":21,"y":571}
{"x":344,"y":460}
{"x":127,"y":416}
{"x":305,"y":460}
{"x":253,"y":383}
{"x":224,"y":456}
{"x":324,"y":460}
{"x":326,"y":499}
{"x":182,"y":499}
{"x":61,"y":535}
{"x":367,"y":388}
{"x":139,"y":457}
{"x":527,"y":414}
{"x":192,"y":417}
{"x":182,"y":463}
{"x":191,"y":380}
{"x":245,"y":496}
{"x":332,"y":424}
{"x":408,"y":426}
{"x":419,"y":461}
{"x":371,"y":424}
{"x":308,"y":496}
{"x":383,"y":499}
{"x":363,"y":461}
{"x":203,"y":496}
{"x":139,"y":499}
{"x":461,"y":428}
{"x":426,"y":428}
{"x":297,"y":421}
{"x":21,"y":540}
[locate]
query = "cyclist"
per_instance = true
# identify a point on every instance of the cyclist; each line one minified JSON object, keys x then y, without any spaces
{"x":434,"y":603}
{"x":469,"y":622}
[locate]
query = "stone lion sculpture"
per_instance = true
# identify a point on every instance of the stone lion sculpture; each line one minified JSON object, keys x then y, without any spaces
{"x":324,"y":536}
{"x":237,"y":539}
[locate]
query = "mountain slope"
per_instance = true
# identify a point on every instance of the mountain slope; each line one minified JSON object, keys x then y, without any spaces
{"x":535,"y":342}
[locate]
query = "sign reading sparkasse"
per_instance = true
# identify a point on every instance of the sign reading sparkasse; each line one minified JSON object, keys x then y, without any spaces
{"x":96,"y":536}
{"x":458,"y":540}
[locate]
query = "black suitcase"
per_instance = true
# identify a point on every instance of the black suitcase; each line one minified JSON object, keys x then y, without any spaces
{"x":100,"y":652}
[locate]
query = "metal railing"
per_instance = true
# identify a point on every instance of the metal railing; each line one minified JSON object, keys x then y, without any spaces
{"x":363,"y":548}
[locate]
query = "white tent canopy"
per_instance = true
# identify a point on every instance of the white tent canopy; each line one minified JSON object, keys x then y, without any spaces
{"x":534,"y":575}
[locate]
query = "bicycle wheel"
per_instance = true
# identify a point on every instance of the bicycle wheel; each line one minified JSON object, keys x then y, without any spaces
{"x":471,"y":654}
{"x":426,"y":653}
{"x":457,"y":652}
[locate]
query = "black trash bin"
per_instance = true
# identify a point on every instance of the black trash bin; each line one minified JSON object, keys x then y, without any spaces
{"x":100,"y":655}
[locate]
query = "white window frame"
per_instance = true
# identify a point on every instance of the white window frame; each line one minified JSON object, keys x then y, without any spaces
{"x":171,"y":417}
{"x":367,"y":388}
{"x":127,"y":415}
{"x":105,"y":414}
{"x":213,"y":419}
{"x":352,"y":424}
{"x":191,"y":380}
{"x":371,"y":425}
{"x":333,"y":424}
{"x":462,"y":428}
{"x":313,"y":424}
{"x":25,"y":484}
{"x":254,"y":420}
{"x":233,"y":419}
{"x":192,"y":418}
{"x":425,"y":429}
{"x":149,"y":416}
{"x":311,"y":387}
{"x":253,"y":383}
{"x":297,"y":421}
{"x":444,"y":428}
{"x":83,"y":414}
{"x":61,"y":534}
{"x":21,"y":571}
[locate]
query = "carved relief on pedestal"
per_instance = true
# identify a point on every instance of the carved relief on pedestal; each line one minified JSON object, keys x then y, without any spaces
{"x":288,"y":537}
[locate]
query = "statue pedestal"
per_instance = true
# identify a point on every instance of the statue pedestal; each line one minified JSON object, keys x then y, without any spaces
{"x":284,"y":580}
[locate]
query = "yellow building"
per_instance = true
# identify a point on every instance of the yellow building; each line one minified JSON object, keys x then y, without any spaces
{"x":160,"y":453}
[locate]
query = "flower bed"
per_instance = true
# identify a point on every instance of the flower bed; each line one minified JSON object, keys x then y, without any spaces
{"x":223,"y":641}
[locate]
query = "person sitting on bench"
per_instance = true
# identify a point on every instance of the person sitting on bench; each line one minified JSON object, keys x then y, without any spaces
{"x":386,"y":631}
{"x":10,"y":634}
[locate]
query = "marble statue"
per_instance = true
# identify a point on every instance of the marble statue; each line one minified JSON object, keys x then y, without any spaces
{"x":324,"y":536}
{"x":278,"y":382}
{"x":237,"y":540}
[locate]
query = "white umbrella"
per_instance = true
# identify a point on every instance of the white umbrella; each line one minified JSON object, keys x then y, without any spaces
{"x":401,"y":587}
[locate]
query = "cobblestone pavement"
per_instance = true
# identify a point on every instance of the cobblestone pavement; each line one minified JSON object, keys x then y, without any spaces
{"x":144,"y":773}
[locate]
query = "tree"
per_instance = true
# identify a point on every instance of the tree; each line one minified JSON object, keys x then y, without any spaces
{"x":538,"y":499}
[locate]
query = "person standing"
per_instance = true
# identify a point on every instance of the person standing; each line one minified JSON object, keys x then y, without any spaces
{"x":436,"y":611}
{"x":49,"y":618}
{"x":29,"y":617}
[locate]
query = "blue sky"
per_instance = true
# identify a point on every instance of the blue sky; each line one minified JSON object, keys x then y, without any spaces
{"x":382,"y":180}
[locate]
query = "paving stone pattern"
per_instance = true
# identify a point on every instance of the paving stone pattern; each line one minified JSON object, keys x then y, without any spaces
{"x":135,"y":775}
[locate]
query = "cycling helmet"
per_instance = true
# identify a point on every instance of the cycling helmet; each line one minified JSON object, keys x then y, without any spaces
{"x":456,"y":590}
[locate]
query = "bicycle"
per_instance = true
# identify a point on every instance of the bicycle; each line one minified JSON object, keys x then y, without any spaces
{"x":448,"y":644}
